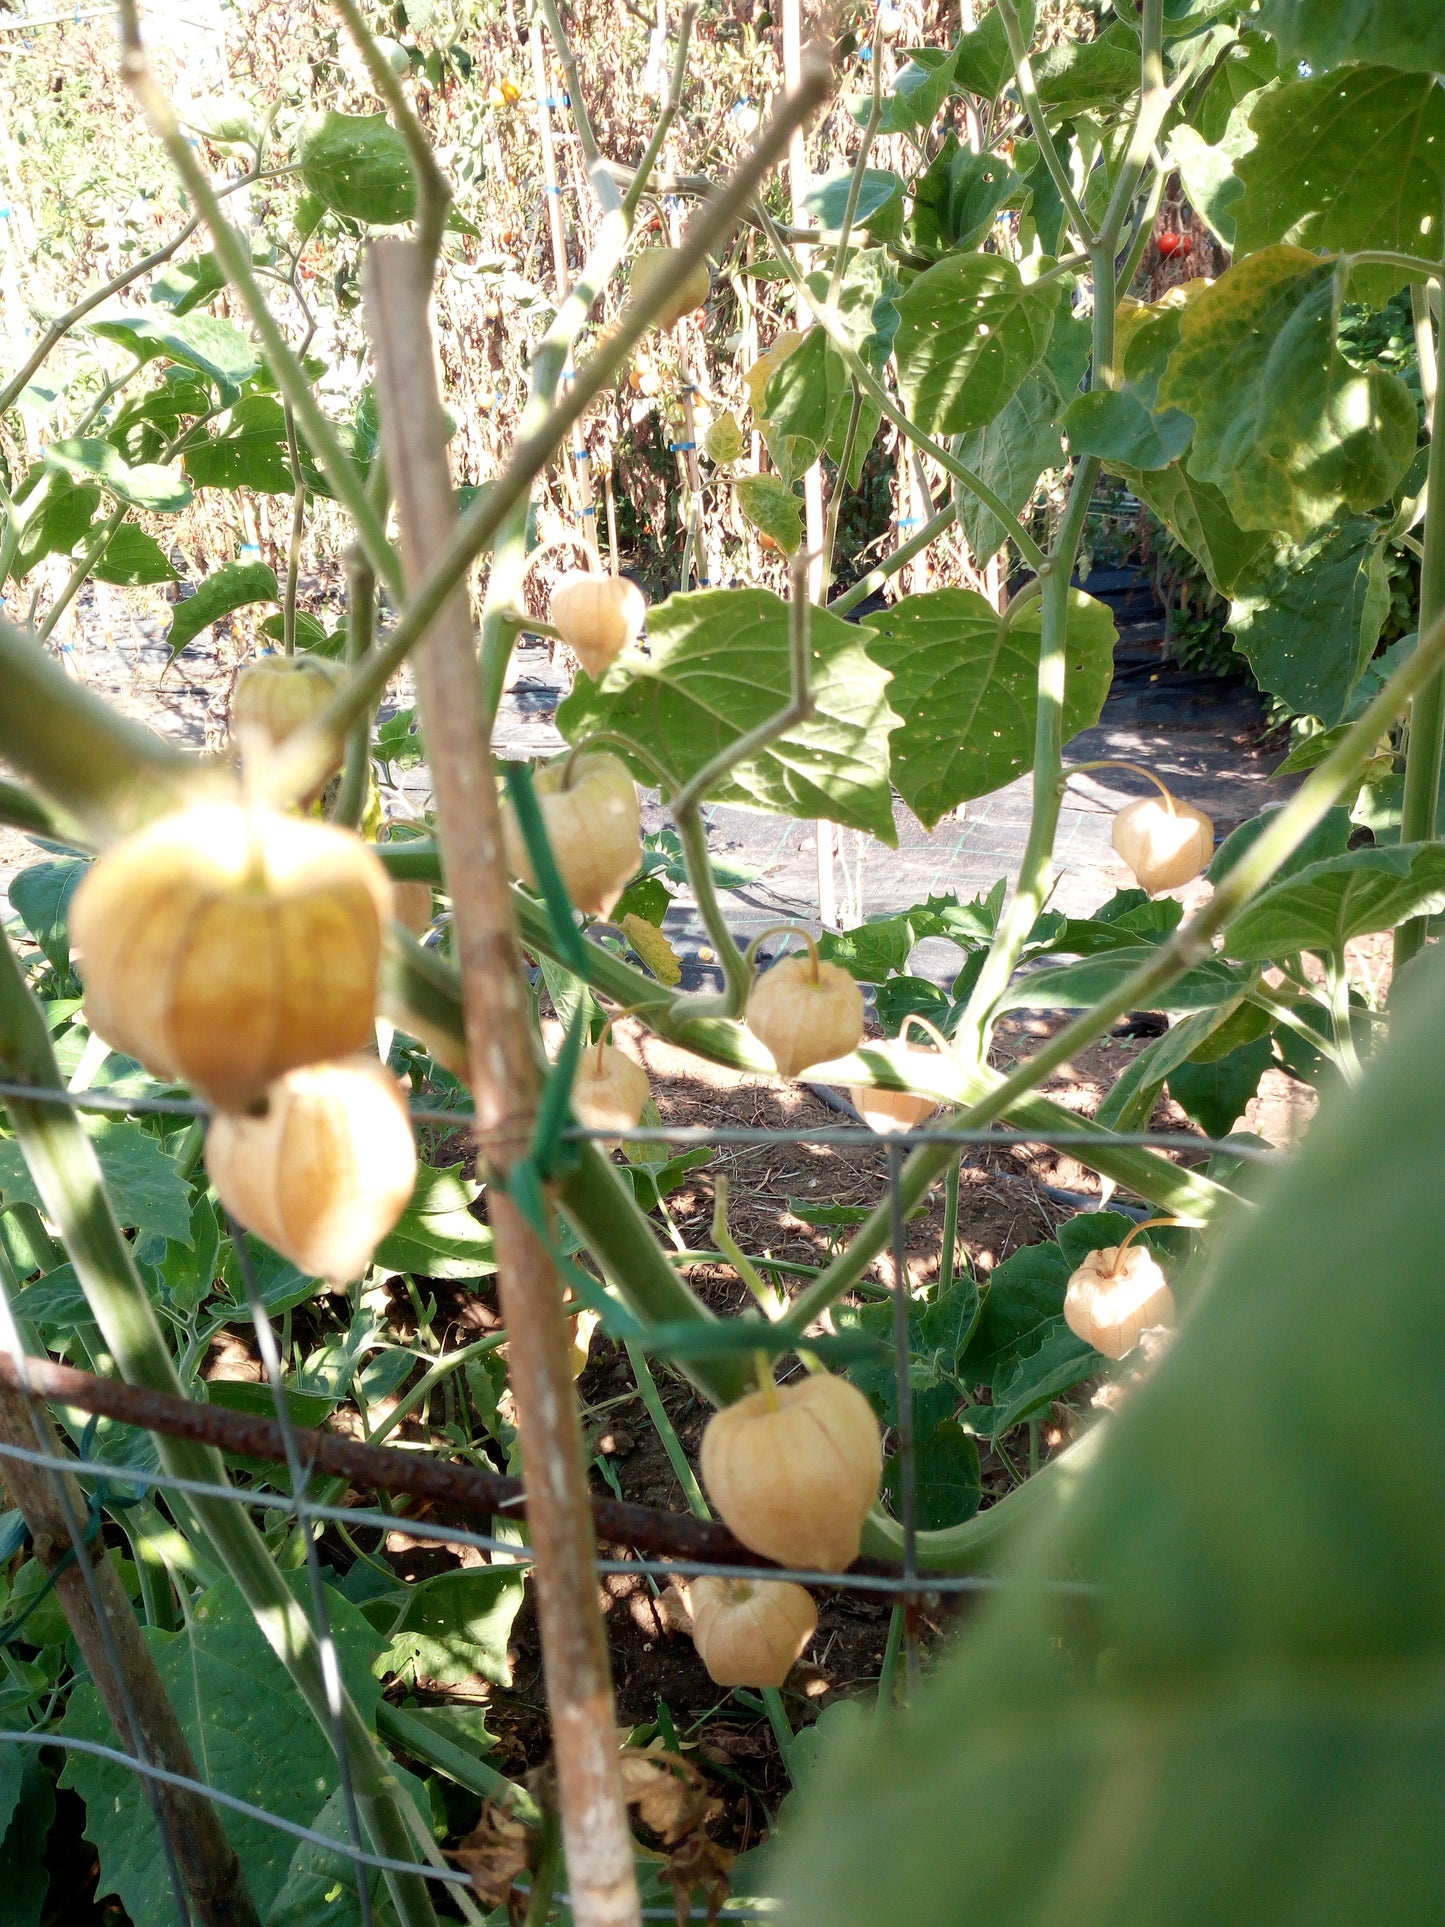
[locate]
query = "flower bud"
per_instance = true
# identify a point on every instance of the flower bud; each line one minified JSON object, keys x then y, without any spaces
{"x":609,"y":1092}
{"x":1165,"y":843}
{"x":325,"y":1172}
{"x":594,"y":826}
{"x":226,"y":947}
{"x":804,"y":1018}
{"x":748,"y":1632}
{"x":598,"y":615}
{"x":1115,"y":1297}
{"x":794,"y":1469}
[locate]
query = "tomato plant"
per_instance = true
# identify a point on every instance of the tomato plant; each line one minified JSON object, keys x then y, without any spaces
{"x":1217,"y":1586}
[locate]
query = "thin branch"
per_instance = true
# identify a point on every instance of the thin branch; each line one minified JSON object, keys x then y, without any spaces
{"x":434,"y":190}
{"x":1038,"y":120}
{"x":234,"y":253}
{"x":295,"y":766}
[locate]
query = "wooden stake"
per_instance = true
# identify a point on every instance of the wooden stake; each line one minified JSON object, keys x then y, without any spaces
{"x":504,"y":1084}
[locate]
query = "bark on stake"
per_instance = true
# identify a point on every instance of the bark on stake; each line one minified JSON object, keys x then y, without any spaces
{"x":504,"y":1083}
{"x":207,"y":1861}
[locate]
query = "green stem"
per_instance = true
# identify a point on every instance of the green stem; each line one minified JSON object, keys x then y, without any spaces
{"x":667,"y":1432}
{"x":1036,"y":868}
{"x":112,"y":772}
{"x":871,"y":386}
{"x":1419,"y":811}
{"x":429,"y":1381}
{"x":415,"y":1737}
{"x":234,"y":253}
{"x":855,"y":189}
{"x":840,"y":487}
{"x":949,"y":1257}
{"x":1148,"y":119}
{"x":63,"y":1163}
{"x":778,"y":1720}
{"x":890,"y":566}
{"x":888,"y":1672}
{"x":1038,"y":120}
{"x":355,"y":787}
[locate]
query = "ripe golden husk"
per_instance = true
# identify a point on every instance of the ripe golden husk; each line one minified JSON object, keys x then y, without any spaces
{"x":598,"y":616}
{"x":226,"y":947}
{"x":1165,"y":844}
{"x":890,"y":1111}
{"x":278,"y":694}
{"x":609,"y":1095}
{"x":653,"y":265}
{"x":594,"y":827}
{"x":325,"y":1172}
{"x":413,"y":905}
{"x":1112,"y":1309}
{"x":794,"y":1469}
{"x":748,"y":1632}
{"x":804,"y":1021}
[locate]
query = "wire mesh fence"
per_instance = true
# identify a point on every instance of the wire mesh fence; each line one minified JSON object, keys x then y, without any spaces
{"x":47,"y":1385}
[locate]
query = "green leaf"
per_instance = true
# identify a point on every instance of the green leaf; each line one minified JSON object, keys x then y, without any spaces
{"x":1329,"y":837}
{"x":146,"y":1189}
{"x":1251,"y":63}
{"x":437,"y":1235}
{"x":41,"y":896}
{"x":358,"y":165}
{"x":1297,"y":431}
{"x":980,"y":186}
{"x":1130,"y":1104}
{"x":1118,"y":427}
{"x":217,"y":349}
{"x":880,"y":203}
{"x":24,"y":1876}
{"x":183,"y":285}
{"x":1307,"y":619}
{"x":250,"y":453}
{"x":147,"y":486}
{"x":771,"y":506}
{"x":1210,"y":171}
{"x":59,"y":517}
{"x":800,"y":404}
{"x":965,"y":682}
{"x":1322,"y":906}
{"x":969,"y":330}
{"x":1058,"y":1363}
{"x":1242,"y":1719}
{"x":456,"y":1627}
{"x":233,"y":587}
{"x":1216,"y":1092}
{"x":718,"y":666}
{"x":1075,"y":986}
{"x":873,"y":951}
{"x":1023,"y":1299}
{"x":1327,"y":33}
{"x":1009,"y":453}
{"x":1197,"y":514}
{"x":133,"y":558}
{"x":985,"y":65}
{"x":251,"y":1731}
{"x":949,"y":1486}
{"x":1296,"y":187}
{"x":919,"y":91}
{"x":1081,"y":74}
{"x":867,"y":305}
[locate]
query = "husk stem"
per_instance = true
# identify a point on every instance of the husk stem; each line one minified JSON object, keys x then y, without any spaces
{"x":63,"y":1163}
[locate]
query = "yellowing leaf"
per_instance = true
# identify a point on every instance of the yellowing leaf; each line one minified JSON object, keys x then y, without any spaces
{"x":653,"y":948}
{"x":767,"y":365}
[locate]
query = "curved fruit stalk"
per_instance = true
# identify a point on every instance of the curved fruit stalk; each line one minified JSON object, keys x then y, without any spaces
{"x":890,"y":1111}
{"x":594,"y":825}
{"x":756,"y":379}
{"x":653,"y":267}
{"x":324,"y":1174}
{"x":1117,"y":1294}
{"x":1165,"y":843}
{"x":278,"y":694}
{"x":598,"y":616}
{"x":609,"y":1091}
{"x":748,"y":1632}
{"x":804,"y":1011}
{"x":414,"y":908}
{"x":226,"y":946}
{"x":794,"y":1470}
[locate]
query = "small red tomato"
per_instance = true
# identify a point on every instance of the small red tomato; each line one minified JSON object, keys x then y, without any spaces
{"x":1168,"y":243}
